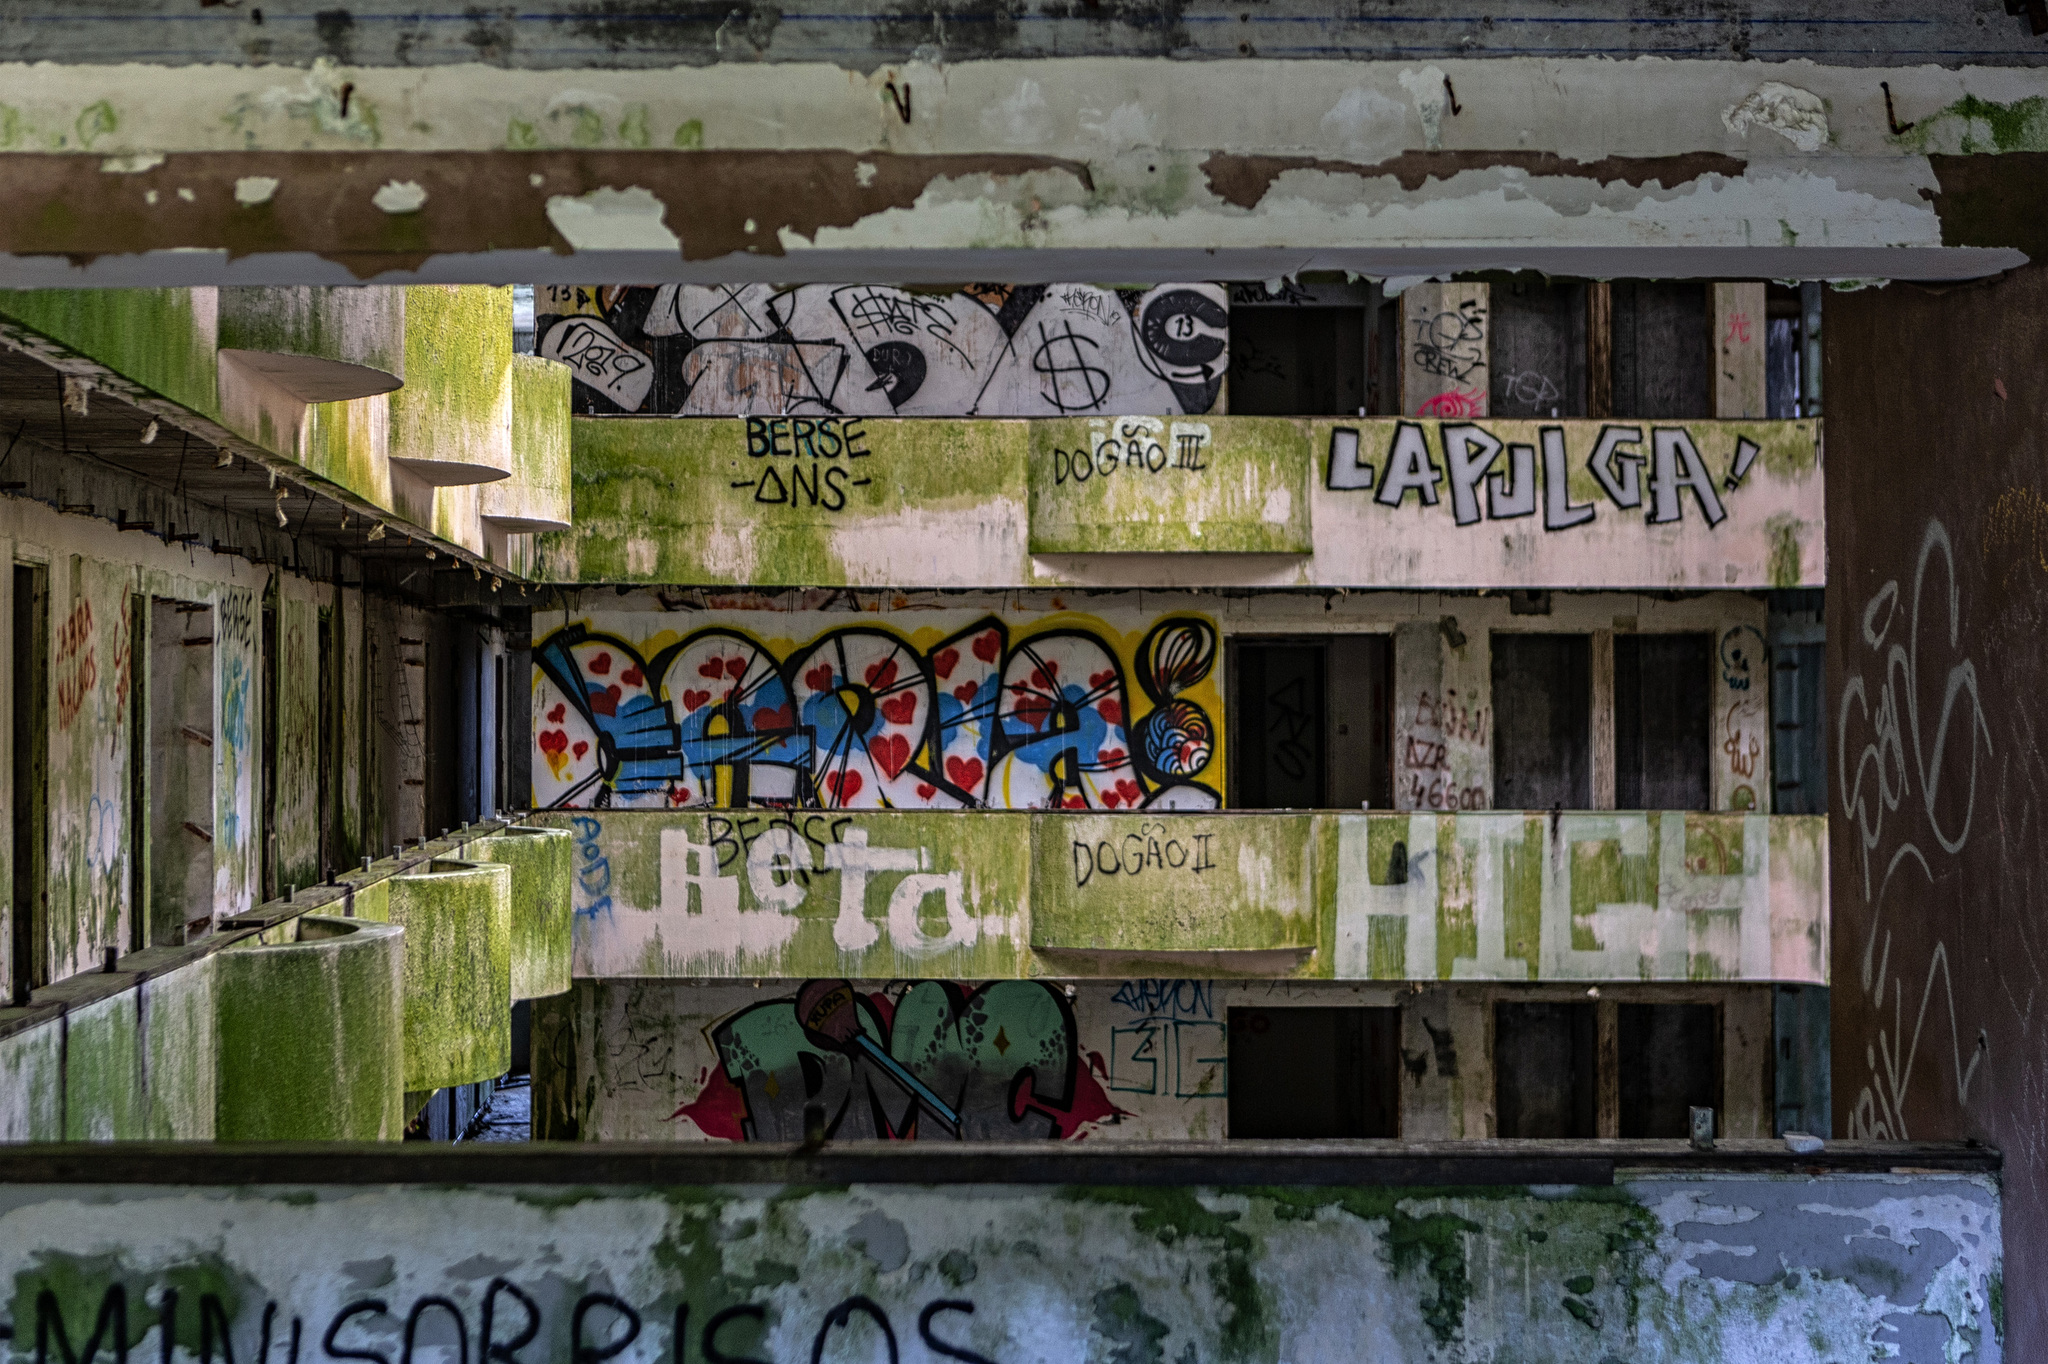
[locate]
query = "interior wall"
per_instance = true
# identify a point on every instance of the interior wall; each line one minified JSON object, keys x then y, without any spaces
{"x":1935,"y":679}
{"x":1131,"y":1060}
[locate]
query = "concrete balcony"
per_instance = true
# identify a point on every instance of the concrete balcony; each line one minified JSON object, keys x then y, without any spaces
{"x":308,"y":1018}
{"x":1503,"y":896}
{"x":1263,"y":1251}
{"x":1184,"y":501}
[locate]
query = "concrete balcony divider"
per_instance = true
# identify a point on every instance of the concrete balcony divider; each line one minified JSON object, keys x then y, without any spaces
{"x":320,"y":345}
{"x":1171,"y":883}
{"x":451,"y":425}
{"x":310,"y":1033}
{"x":457,"y":917}
{"x":541,"y":908}
{"x":536,"y":496}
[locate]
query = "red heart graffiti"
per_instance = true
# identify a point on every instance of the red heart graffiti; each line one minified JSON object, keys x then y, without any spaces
{"x":1111,"y":755}
{"x":553,"y":740}
{"x":891,"y":753}
{"x":694,"y":699}
{"x":925,"y":790}
{"x":1076,"y":802}
{"x":964,"y":693}
{"x":844,"y":786}
{"x":1130,"y":792}
{"x":714,"y":669}
{"x":774,"y":717}
{"x":600,"y":665}
{"x":819,"y":678}
{"x":1110,"y":800}
{"x":1097,"y":681}
{"x":735,"y":667}
{"x":987,"y":646}
{"x":605,"y":702}
{"x":632,"y":676}
{"x":881,"y":674}
{"x":943,"y":661}
{"x":678,"y":795}
{"x":580,"y":749}
{"x":1111,"y":710}
{"x":900,"y":710}
{"x":555,"y":715}
{"x":964,"y":773}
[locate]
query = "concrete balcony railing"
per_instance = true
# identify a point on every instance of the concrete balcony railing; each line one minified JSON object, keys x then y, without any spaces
{"x":1259,"y":1251}
{"x":1187,"y":501}
{"x":304,"y":1019}
{"x":1621,"y":896}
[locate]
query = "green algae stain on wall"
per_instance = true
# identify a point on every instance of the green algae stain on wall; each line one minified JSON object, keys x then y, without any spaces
{"x":1975,"y":126}
{"x":163,"y":339}
{"x":791,"y":501}
{"x":1173,"y":882}
{"x":1171,"y":485}
{"x":311,"y":1034}
{"x":457,"y":918}
{"x":542,"y":910}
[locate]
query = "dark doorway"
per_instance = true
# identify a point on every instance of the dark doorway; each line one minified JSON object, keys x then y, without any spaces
{"x":1546,"y":1070}
{"x":1315,"y":1072}
{"x":30,"y":938}
{"x":1537,"y":347}
{"x":1279,"y":733}
{"x":1542,"y":708}
{"x":181,"y":733}
{"x":1297,"y":362}
{"x":1662,"y":705}
{"x":1311,"y":723}
{"x":1663,"y":350}
{"x":1670,"y":1061}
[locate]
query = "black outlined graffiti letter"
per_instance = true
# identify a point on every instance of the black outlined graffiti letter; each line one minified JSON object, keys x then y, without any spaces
{"x":1675,"y":464}
{"x":714,"y":1355}
{"x":841,"y":1315}
{"x":1346,"y":470}
{"x":1619,"y":471}
{"x":111,"y":1326}
{"x":490,"y":1351}
{"x":580,"y":1353}
{"x":940,"y":1347}
{"x":1559,"y":511}
{"x":1409,"y":466}
{"x":1512,"y":492}
{"x":368,"y":1307}
{"x":1470,"y":453}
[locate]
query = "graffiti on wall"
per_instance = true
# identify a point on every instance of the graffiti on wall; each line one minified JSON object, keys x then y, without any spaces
{"x":1894,"y":749}
{"x":931,"y":1061}
{"x":819,"y":349}
{"x":1652,"y":473}
{"x":864,"y":717}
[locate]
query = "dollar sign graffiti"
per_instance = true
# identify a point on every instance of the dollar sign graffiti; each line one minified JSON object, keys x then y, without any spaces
{"x":1047,"y":361}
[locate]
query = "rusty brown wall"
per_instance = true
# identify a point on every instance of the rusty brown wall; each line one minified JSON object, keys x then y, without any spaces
{"x":1937,"y":478}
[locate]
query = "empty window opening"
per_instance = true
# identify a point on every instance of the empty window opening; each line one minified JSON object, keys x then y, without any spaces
{"x":29,"y":911}
{"x":180,"y":771}
{"x":1545,"y":1070}
{"x":1542,"y":707}
{"x":1662,"y":706}
{"x":1311,"y":723}
{"x":1537,"y":348}
{"x":1297,"y":361}
{"x":1669,"y":1057}
{"x":1315,"y":1072}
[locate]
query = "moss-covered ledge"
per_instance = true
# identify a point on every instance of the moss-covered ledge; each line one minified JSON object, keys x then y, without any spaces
{"x":133,"y":1082}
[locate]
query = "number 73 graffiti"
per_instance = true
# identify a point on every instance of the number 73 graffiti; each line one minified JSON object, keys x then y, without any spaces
{"x":860,"y":719}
